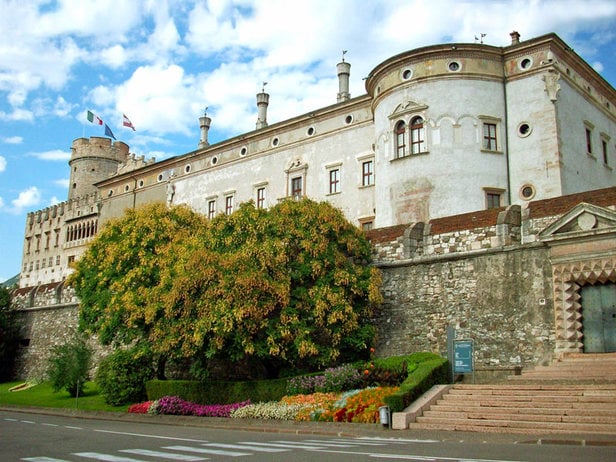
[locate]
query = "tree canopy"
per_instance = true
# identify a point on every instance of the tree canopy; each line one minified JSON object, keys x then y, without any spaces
{"x":287,"y":286}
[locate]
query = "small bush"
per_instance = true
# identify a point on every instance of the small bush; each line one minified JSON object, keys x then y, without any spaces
{"x":122,"y":376}
{"x":334,"y":379}
{"x":69,"y":365}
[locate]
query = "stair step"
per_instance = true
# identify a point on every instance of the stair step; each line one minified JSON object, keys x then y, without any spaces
{"x":561,"y":410}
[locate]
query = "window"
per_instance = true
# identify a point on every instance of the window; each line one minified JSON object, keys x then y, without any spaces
{"x":211,"y":209}
{"x":228,"y":205}
{"x":296,"y":187}
{"x":493,"y":199}
{"x":57,"y":260}
{"x":588,"y":140}
{"x":604,"y":150}
{"x":367,"y":173}
{"x":366,"y":225}
{"x":605,"y":143}
{"x":489,"y":136}
{"x":400,"y":140}
{"x":418,"y":136}
{"x":334,"y":181}
{"x":261,"y":198}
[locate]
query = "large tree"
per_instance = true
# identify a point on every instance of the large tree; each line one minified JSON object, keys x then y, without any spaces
{"x":118,"y":279}
{"x":288,"y":286}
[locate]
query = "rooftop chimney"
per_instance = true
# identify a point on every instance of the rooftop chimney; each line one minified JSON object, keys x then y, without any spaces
{"x":344,"y":71}
{"x":204,"y":125}
{"x":262,"y":102}
{"x":515,"y":37}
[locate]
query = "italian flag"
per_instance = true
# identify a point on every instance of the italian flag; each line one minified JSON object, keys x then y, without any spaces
{"x":93,"y":118}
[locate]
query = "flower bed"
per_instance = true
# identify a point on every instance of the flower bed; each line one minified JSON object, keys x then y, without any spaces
{"x":172,"y":405}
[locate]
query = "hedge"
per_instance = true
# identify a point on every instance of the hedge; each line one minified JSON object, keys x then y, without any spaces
{"x":218,"y":392}
{"x":428,"y":373}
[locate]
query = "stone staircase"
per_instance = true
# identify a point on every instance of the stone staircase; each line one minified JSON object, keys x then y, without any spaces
{"x":574,"y":395}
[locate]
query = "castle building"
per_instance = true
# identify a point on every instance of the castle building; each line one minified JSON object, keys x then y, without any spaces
{"x":442,"y":131}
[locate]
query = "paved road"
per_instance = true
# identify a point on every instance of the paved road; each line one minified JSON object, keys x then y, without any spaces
{"x":52,"y":438}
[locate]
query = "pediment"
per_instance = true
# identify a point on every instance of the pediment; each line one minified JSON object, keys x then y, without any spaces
{"x":582,"y":220}
{"x":407,"y":107}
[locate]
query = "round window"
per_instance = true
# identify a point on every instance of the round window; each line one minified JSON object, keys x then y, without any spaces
{"x":187,"y":169}
{"x":454,"y":66}
{"x":140,"y":183}
{"x":160,"y":177}
{"x":527,"y":192}
{"x":214,"y":160}
{"x":526,"y":63}
{"x":524,"y":129}
{"x":310,"y":131}
{"x":348,"y":119}
{"x":407,"y":74}
{"x":275,"y":141}
{"x":243,"y":151}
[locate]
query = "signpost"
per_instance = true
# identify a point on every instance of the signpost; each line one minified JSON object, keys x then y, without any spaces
{"x":463,"y":357}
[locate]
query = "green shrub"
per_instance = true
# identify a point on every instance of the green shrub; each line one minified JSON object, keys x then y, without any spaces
{"x":122,"y":376}
{"x":69,"y":366}
{"x":218,"y":392}
{"x":428,"y":373}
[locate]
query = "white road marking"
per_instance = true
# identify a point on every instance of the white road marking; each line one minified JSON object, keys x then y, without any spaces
{"x":163,"y":455}
{"x":411,"y":456}
{"x":284,"y":445}
{"x":207,"y":451}
{"x":189,"y":440}
{"x":73,"y":428}
{"x":245,"y":446}
{"x":105,"y":457}
{"x":43,"y":459}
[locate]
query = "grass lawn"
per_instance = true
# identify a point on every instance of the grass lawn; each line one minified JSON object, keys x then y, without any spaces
{"x":42,"y":395}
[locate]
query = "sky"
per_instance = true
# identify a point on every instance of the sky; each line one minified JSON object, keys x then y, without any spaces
{"x":162,"y":62}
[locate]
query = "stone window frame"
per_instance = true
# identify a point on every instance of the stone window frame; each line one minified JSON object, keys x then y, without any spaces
{"x":496,"y":122}
{"x":260,"y":194}
{"x":589,"y":128}
{"x":229,"y":202}
{"x":605,"y":148}
{"x":296,"y":173}
{"x":334,"y":178}
{"x":493,"y":192}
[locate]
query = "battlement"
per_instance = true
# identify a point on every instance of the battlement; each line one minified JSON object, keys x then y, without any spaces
{"x":99,"y":147}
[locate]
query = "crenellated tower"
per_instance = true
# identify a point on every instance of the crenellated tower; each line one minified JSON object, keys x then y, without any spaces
{"x":94,"y":160}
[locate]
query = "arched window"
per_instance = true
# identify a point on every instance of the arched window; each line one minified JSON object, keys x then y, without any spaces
{"x":400,"y":139}
{"x":418,"y":135}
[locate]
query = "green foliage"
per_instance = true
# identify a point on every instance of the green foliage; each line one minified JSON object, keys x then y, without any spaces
{"x":69,"y":365}
{"x":288,"y":286}
{"x":122,"y":376}
{"x":122,"y":275}
{"x":218,"y":392}
{"x":284,"y":288}
{"x":433,"y":370}
{"x":9,"y":336}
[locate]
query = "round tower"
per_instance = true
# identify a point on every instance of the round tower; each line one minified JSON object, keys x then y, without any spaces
{"x":93,"y":160}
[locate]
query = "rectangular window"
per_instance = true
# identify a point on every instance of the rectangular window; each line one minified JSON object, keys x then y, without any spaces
{"x":366,"y":225}
{"x":50,"y":261}
{"x":211,"y":209}
{"x":57,"y":260}
{"x":489,"y":137}
{"x":228,"y":205}
{"x":334,"y":181}
{"x":588,"y":140}
{"x":296,"y":187}
{"x":604,"y":149}
{"x":493,"y":200}
{"x":261,"y":198}
{"x":367,"y":173}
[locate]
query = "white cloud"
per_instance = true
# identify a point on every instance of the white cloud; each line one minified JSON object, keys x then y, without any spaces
{"x":63,"y":182}
{"x":26,"y":199}
{"x":53,"y":155}
{"x":2,"y":164}
{"x":13,"y":140}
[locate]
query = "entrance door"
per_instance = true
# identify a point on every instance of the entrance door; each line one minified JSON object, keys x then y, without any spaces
{"x":599,"y":318}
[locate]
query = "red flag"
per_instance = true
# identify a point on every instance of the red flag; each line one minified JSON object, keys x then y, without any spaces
{"x":127,"y":123}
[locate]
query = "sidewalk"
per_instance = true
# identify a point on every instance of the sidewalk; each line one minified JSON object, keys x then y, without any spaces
{"x":339,"y":429}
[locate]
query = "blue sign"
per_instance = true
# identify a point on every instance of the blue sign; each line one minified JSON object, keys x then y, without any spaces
{"x":463,"y":362}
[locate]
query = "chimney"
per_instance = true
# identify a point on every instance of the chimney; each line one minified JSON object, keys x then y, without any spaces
{"x":262,"y":102}
{"x":344,"y":71}
{"x":515,"y":37}
{"x":204,"y":125}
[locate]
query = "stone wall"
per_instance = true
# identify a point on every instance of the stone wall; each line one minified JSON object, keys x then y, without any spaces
{"x":500,"y":299}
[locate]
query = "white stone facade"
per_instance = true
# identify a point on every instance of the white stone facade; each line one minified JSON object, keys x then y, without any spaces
{"x":499,"y":126}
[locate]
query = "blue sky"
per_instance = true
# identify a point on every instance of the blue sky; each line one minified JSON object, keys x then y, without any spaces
{"x":161,"y":62}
